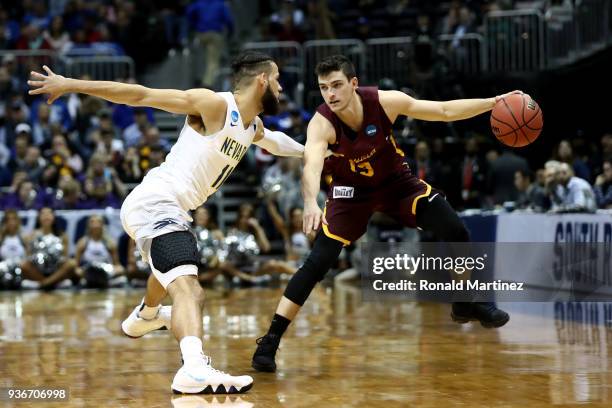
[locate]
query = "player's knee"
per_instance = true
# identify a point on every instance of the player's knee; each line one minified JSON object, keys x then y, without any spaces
{"x":187,"y":287}
{"x":323,"y":256}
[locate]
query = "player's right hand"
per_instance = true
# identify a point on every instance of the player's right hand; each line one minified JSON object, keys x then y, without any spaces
{"x":312,"y":218}
{"x":51,"y":84}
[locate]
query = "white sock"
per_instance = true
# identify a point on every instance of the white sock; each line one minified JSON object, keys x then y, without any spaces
{"x":147,"y":312}
{"x":191,"y":349}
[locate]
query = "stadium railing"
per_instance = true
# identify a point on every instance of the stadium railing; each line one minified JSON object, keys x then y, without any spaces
{"x":389,"y":58}
{"x":102,"y":67}
{"x":28,"y":60}
{"x":107,"y":68}
{"x":515,"y":41}
{"x":465,"y":54}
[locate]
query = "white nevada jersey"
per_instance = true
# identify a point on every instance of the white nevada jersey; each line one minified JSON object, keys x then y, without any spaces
{"x":198,"y":165}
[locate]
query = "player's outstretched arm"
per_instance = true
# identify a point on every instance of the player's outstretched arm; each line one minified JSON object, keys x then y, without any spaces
{"x":279,"y":144}
{"x":319,"y":135}
{"x":397,"y":103}
{"x":191,"y":102}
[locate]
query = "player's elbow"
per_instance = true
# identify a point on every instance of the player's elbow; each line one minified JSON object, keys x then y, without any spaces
{"x":140,"y":96}
{"x":445,"y":113}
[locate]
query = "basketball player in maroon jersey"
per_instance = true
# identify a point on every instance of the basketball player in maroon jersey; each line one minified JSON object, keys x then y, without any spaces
{"x":369,"y":174}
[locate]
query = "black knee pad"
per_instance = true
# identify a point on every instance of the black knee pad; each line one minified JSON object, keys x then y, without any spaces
{"x":324,"y":254}
{"x":174,"y":249}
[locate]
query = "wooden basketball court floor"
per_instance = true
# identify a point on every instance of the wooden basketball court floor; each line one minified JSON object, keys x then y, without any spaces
{"x":340,"y":352}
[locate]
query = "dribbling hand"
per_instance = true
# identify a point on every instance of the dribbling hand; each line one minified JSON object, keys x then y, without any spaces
{"x":500,"y":97}
{"x":51,"y":84}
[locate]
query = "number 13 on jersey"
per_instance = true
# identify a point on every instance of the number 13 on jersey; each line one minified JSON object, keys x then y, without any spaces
{"x":363,"y":168}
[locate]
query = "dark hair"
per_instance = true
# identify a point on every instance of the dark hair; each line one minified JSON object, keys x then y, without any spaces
{"x":249,"y":64}
{"x":336,"y":63}
{"x":55,"y":227}
{"x":528,"y":174}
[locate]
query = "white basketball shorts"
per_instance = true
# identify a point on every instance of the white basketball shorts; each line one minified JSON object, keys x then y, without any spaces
{"x":148,"y":212}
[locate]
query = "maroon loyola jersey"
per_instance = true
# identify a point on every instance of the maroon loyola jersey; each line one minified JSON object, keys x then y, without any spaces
{"x":367,"y":158}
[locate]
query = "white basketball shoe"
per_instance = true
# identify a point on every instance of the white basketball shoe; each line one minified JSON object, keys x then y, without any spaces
{"x":199,"y":377}
{"x":135,"y":326}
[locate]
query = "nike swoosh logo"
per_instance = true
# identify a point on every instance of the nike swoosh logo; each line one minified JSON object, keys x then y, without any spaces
{"x":432,"y":197}
{"x":233,"y":124}
{"x":196,"y":378}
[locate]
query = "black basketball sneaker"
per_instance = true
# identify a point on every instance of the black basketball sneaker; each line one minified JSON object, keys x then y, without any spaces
{"x":486,"y":313}
{"x":263,"y":359}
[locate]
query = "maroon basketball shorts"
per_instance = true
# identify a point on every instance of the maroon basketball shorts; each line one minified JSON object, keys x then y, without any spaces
{"x":348,"y":209}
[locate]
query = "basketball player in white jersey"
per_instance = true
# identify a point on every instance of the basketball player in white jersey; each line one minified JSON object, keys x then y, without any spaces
{"x":218,"y":130}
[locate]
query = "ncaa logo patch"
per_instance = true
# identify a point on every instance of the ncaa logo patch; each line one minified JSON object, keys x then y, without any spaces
{"x":234,"y":116}
{"x":371,"y":130}
{"x":343,"y":192}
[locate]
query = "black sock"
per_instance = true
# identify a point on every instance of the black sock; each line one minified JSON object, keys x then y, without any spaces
{"x":279,"y":325}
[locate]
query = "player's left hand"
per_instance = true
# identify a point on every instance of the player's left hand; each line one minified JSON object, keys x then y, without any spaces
{"x":51,"y":84}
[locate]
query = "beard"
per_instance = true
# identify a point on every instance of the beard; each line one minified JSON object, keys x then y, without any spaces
{"x":269,"y":102}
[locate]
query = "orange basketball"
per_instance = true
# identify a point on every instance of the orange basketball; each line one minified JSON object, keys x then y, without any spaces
{"x":516,"y":120}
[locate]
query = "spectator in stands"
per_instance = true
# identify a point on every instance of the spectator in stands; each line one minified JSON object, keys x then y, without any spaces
{"x":422,"y":165}
{"x":9,"y":30}
{"x":574,"y":194}
{"x":33,"y":164}
{"x":297,"y":244}
{"x":97,"y":257}
{"x":202,"y":219}
{"x":129,"y":170}
{"x":606,"y":145}
{"x":13,"y":245}
{"x":285,"y":174}
{"x":132,"y":135}
{"x":124,"y":116}
{"x":112,"y":147}
{"x":20,"y":148}
{"x":151,"y":157}
{"x":69,"y":195}
{"x":25,"y":197}
{"x":211,"y":19}
{"x":473,"y":176}
{"x":57,"y":36}
{"x":38,"y":15}
{"x":530,"y":194}
{"x":8,"y":85}
{"x":49,"y":264}
{"x":320,"y":19}
{"x":603,"y":186}
{"x":61,"y":161}
{"x":247,"y":223}
{"x":501,"y":176}
{"x":564,"y":153}
{"x":288,"y":23}
{"x":32,"y":39}
{"x":17,"y":113}
{"x":42,"y":130}
{"x":137,"y":270}
{"x":102,"y":183}
{"x":242,"y":240}
{"x":151,"y":137}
